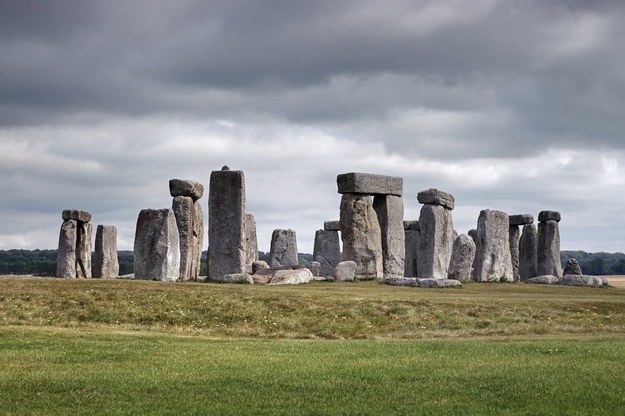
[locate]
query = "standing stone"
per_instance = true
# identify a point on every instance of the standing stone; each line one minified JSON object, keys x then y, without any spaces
{"x":283,"y":250}
{"x":251,"y":242}
{"x":76,"y":215}
{"x":514,"y":235}
{"x":157,"y":246}
{"x":315,"y":268}
{"x":66,"y":258}
{"x":492,"y":258}
{"x":345,"y":271}
{"x":390,"y":212}
{"x":411,"y":236}
{"x":198,"y":240}
{"x":528,"y":252}
{"x":105,"y":262}
{"x":226,"y":229}
{"x":549,"y":244}
{"x":572,"y":268}
{"x":327,"y":251}
{"x":473,"y":234}
{"x":462,"y":257}
{"x":361,"y":235}
{"x":83,"y":250}
{"x":435,"y":241}
{"x":183,"y":210}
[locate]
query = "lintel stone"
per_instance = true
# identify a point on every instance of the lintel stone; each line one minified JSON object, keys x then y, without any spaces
{"x":521,"y":219}
{"x":436,"y":197}
{"x":545,"y":216}
{"x":332,"y":226}
{"x":76,"y":215}
{"x":370,"y":184}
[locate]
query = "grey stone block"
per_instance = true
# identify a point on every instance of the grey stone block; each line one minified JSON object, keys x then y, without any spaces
{"x":435,"y":241}
{"x":390,"y":212}
{"x":327,"y":251}
{"x":436,"y":197}
{"x":157,"y":246}
{"x":462,"y":257}
{"x":76,"y":215}
{"x":492,"y":256}
{"x":545,"y":216}
{"x":521,"y":219}
{"x":105,"y":261}
{"x":181,"y":187}
{"x":370,"y":184}
{"x":283,"y":250}
{"x":332,"y":226}
{"x":66,"y":254}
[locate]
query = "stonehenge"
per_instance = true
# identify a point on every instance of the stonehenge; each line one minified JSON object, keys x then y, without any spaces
{"x":190,"y":223}
{"x":105,"y":262}
{"x":74,"y":250}
{"x":372,"y":231}
{"x":549,"y":244}
{"x":436,"y":234}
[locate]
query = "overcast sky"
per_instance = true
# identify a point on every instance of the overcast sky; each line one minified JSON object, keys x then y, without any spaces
{"x":510,"y":105}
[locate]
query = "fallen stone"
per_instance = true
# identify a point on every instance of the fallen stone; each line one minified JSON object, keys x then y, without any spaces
{"x":66,"y":254}
{"x":239,"y":278}
{"x":401,"y":281}
{"x":291,"y":277}
{"x":76,"y":215}
{"x":345,"y":271}
{"x":521,"y":219}
{"x":259,"y":265}
{"x":528,"y":253}
{"x":183,"y":210}
{"x":361,"y":235}
{"x":549,"y":248}
{"x":581,"y":280}
{"x":105,"y":262}
{"x":545,"y":216}
{"x":411,"y":225}
{"x":157,"y":246}
{"x":332,"y":226}
{"x":436,"y":197}
{"x":438,"y":283}
{"x":543,"y":280}
{"x":462,"y":257}
{"x":390,"y":212}
{"x":283,"y":250}
{"x":369,"y":184}
{"x":315,"y":268}
{"x":572,"y":267}
{"x":435,"y":241}
{"x":492,"y":255}
{"x":327,"y":251}
{"x":83,"y":250}
{"x":191,"y":189}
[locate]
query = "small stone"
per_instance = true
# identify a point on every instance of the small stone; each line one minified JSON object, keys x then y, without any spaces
{"x":76,"y":215}
{"x":369,"y":184}
{"x":436,"y":197}
{"x":332,"y":226}
{"x":240,"y":278}
{"x":259,"y":265}
{"x":544,"y":280}
{"x":411,"y":225}
{"x":291,"y":277}
{"x":581,"y":280}
{"x":572,"y":268}
{"x":315,"y":268}
{"x":521,"y":219}
{"x":181,"y":187}
{"x":545,"y":216}
{"x":438,"y":283}
{"x":345,"y":271}
{"x":401,"y":281}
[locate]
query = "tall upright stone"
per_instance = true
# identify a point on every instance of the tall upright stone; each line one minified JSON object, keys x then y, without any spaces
{"x":528,"y":253}
{"x":411,"y":236}
{"x":514,"y":232}
{"x":436,"y":235}
{"x":251,"y":242}
{"x":492,"y":258}
{"x":226,"y":224}
{"x":390,"y":212}
{"x":83,"y":250}
{"x":361,"y":235}
{"x":283,"y":250}
{"x":157,"y":246}
{"x":66,"y":258}
{"x":198,"y":240}
{"x":549,"y":244}
{"x":76,"y":235}
{"x":183,"y":211}
{"x":462,"y":257}
{"x":105,"y":261}
{"x":327,"y":251}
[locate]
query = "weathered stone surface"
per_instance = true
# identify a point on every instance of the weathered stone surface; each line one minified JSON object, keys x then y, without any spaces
{"x":581,"y":280}
{"x":361,"y":235}
{"x":492,"y":255}
{"x":157,"y":246}
{"x":411,"y":225}
{"x":572,"y":267}
{"x":436,"y":197}
{"x":83,"y":250}
{"x":528,"y":253}
{"x":66,"y":255}
{"x":198,"y":240}
{"x":240,"y":278}
{"x":283,"y":250}
{"x":181,"y":187}
{"x":291,"y":277}
{"x":105,"y":262}
{"x":261,"y":278}
{"x":473,"y":234}
{"x":462,"y":257}
{"x":390,"y":211}
{"x":315,"y":268}
{"x":251,"y":242}
{"x":327,"y":251}
{"x":402,"y":281}
{"x":435,"y":241}
{"x":545,"y":216}
{"x":226,"y":229}
{"x":369,"y":184}
{"x":183,"y":211}
{"x":332,"y":225}
{"x":521,"y":219}
{"x":411,"y":238}
{"x":259,"y":265}
{"x":549,"y":248}
{"x":543,"y":280}
{"x":514,"y":236}
{"x":76,"y":215}
{"x":345,"y":271}
{"x":438,"y":283}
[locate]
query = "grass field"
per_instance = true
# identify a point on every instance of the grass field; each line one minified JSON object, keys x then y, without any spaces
{"x":126,"y":347}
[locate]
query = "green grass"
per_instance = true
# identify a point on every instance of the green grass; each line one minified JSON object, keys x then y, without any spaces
{"x":57,"y":372}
